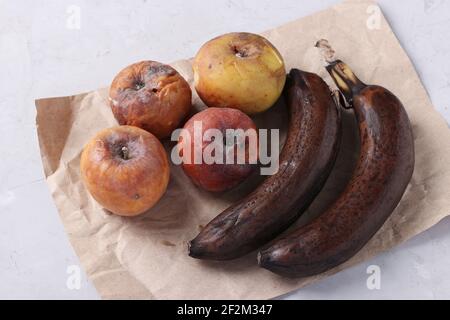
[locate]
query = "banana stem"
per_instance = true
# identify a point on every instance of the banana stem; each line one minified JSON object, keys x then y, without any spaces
{"x":347,"y":82}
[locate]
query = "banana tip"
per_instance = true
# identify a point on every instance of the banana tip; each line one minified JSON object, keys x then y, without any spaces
{"x":262,"y":259}
{"x":191,"y":249}
{"x":195,"y":251}
{"x":258,"y":258}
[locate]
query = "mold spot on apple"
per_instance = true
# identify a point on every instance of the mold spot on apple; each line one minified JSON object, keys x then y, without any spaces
{"x":139,"y":84}
{"x":124,"y":153}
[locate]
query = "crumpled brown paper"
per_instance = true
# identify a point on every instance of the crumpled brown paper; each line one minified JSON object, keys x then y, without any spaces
{"x":145,"y":257}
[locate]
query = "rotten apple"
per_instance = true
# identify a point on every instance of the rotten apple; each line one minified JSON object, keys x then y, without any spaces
{"x":219,"y":148}
{"x":152,"y":96}
{"x":125,"y":169}
{"x":239,"y":70}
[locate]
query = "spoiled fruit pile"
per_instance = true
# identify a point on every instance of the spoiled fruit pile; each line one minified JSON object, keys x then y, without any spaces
{"x":237,"y":75}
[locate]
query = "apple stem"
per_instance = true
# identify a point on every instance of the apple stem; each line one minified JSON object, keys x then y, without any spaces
{"x":125,"y":153}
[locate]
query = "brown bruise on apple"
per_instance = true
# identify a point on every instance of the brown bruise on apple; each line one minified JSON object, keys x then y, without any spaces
{"x":218,"y":177}
{"x":125,"y":169}
{"x":239,"y":70}
{"x":151,"y":96}
{"x":244,"y":46}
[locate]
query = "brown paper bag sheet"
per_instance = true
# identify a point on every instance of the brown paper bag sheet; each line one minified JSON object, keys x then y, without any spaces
{"x":145,"y":256}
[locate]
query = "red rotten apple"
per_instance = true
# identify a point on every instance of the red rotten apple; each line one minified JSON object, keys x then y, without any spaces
{"x":219,"y":148}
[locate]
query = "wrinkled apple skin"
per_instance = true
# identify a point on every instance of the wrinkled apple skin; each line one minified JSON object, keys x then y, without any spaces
{"x":218,"y":177}
{"x":125,"y":185}
{"x":239,"y":70}
{"x":152,"y":96}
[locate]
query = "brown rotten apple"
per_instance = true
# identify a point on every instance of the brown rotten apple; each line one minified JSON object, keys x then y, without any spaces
{"x":239,"y":70}
{"x":125,"y":169}
{"x":223,"y":170}
{"x":152,"y":96}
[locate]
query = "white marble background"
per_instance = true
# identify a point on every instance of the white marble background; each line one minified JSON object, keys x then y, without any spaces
{"x":42,"y":55}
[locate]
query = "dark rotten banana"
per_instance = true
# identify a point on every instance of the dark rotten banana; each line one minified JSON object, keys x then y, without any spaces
{"x":305,"y":162}
{"x":383,"y":171}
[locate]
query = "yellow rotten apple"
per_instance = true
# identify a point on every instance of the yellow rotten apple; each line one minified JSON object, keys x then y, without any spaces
{"x":239,"y":70}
